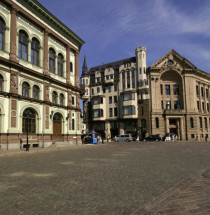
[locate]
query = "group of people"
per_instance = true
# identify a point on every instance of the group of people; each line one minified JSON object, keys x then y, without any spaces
{"x":198,"y":139}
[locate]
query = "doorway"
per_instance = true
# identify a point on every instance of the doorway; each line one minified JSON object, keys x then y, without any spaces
{"x":57,"y":127}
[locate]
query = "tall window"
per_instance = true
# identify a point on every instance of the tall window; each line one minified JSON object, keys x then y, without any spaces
{"x":157,"y":122}
{"x":110,"y":112}
{"x":133,"y":79}
{"x":61,"y":99}
{"x":176,"y":89}
{"x":191,"y":122}
{"x":161,"y":89}
{"x":197,"y":90}
{"x":168,"y":105}
{"x":110,"y":99}
{"x":167,"y":89}
{"x":2,"y":30}
{"x":52,"y":61}
{"x":35,"y":52}
{"x":23,"y":45}
{"x":25,"y":89}
{"x":123,"y":80}
{"x":60,"y":65}
{"x":29,"y":121}
{"x":73,"y":124}
{"x":201,"y":122}
{"x":71,"y":67}
{"x":1,"y":83}
{"x":73,"y":100}
{"x":54,"y":97}
{"x":35,"y":92}
{"x":176,"y":104}
{"x":128,"y":79}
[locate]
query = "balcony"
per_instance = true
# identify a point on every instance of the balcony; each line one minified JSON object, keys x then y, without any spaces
{"x":174,"y":111}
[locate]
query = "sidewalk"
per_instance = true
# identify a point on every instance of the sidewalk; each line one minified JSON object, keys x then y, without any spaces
{"x":191,"y":196}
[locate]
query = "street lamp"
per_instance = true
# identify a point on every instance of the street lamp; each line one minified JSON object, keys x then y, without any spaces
{"x":27,"y":143}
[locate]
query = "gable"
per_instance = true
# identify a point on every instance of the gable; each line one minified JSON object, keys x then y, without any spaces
{"x":173,"y":60}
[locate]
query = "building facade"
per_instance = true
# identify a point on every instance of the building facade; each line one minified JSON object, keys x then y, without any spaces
{"x":127,"y":96}
{"x":39,"y":77}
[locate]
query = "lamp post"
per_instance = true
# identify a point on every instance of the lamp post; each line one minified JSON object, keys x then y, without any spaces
{"x":27,"y":144}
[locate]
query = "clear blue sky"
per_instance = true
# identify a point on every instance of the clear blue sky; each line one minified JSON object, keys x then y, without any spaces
{"x":112,"y":29}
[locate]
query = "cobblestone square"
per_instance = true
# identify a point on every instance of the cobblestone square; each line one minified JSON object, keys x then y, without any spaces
{"x":107,"y":179}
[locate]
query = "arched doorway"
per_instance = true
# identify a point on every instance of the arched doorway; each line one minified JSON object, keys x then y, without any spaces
{"x":57,"y":126}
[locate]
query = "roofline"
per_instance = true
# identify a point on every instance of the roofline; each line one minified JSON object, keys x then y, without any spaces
{"x":104,"y":65}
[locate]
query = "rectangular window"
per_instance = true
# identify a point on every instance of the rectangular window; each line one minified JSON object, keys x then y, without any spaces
{"x":115,"y":99}
{"x":203,"y":106}
{"x":206,"y":124}
{"x":115,"y":87}
{"x":110,"y":112}
{"x":133,"y":79}
{"x":110,"y":99}
{"x":176,"y":89}
{"x":98,"y":89}
{"x":97,"y":100}
{"x":198,"y":105}
{"x":128,"y":79}
{"x":201,"y":122}
{"x":92,"y":91}
{"x":167,"y":89}
{"x":129,"y":110}
{"x":207,"y":93}
{"x":197,"y":90}
{"x":73,"y":100}
{"x":168,"y":105}
{"x":161,"y":89}
{"x":207,"y":107}
{"x":97,"y":113}
{"x":202,"y":92}
{"x":176,"y":104}
{"x":107,"y":77}
{"x":110,"y":88}
{"x":129,"y":96}
{"x":115,"y":111}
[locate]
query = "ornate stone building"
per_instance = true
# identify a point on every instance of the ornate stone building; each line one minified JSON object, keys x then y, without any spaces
{"x":170,"y":96}
{"x":39,"y":77}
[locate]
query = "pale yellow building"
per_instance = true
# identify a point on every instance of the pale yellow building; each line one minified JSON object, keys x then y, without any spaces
{"x":39,"y":77}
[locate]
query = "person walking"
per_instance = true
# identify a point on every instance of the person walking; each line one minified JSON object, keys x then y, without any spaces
{"x":206,"y":137}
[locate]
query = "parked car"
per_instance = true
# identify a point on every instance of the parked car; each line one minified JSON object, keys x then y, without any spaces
{"x":153,"y":138}
{"x":123,"y":137}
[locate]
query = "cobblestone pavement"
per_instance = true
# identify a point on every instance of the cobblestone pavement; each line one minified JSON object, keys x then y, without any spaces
{"x":109,"y":179}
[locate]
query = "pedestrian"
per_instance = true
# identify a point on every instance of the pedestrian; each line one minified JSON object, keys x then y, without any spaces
{"x":196,"y":138}
{"x":206,"y":137}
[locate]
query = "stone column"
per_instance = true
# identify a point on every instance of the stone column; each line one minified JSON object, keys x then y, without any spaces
{"x":67,"y":65}
{"x":46,"y":51}
{"x":13,"y":35}
{"x":77,"y":69}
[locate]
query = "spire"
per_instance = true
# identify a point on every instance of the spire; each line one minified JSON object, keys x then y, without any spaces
{"x":84,"y":67}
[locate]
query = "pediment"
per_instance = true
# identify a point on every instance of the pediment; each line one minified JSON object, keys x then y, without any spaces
{"x":173,"y":60}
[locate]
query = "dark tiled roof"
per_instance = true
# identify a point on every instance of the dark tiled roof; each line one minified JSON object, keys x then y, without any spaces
{"x":115,"y":64}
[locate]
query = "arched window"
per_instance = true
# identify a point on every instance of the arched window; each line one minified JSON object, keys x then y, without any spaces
{"x":35,"y":52}
{"x":1,"y":83}
{"x":157,"y":122}
{"x":54,"y":97}
{"x":191,"y":122}
{"x":2,"y":36}
{"x":23,"y":45}
{"x":61,"y":99}
{"x":29,"y":121}
{"x":60,"y":65}
{"x":52,"y":61}
{"x":25,"y":89}
{"x":35,"y":92}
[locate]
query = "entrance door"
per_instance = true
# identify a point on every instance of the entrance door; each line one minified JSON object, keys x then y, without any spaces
{"x":57,"y":127}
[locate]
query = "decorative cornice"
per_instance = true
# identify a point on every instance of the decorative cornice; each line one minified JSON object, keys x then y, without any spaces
{"x":39,"y":10}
